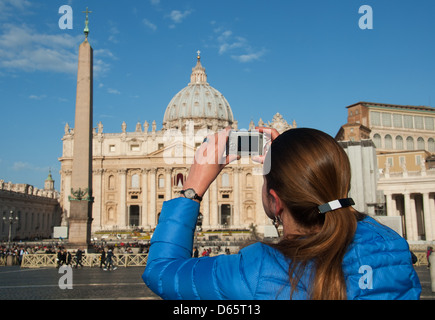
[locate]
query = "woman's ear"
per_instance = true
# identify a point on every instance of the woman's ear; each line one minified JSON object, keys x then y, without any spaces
{"x":276,"y":203}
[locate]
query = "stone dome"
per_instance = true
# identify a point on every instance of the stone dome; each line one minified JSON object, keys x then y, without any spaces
{"x":198,"y":102}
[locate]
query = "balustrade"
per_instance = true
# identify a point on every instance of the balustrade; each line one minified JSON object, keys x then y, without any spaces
{"x":88,"y":260}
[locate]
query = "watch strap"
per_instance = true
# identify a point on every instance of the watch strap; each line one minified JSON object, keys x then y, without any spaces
{"x":195,"y":196}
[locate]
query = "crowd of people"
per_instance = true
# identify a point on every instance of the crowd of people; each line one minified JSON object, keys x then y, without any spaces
{"x":15,"y":251}
{"x":68,"y":257}
{"x":207,"y":252}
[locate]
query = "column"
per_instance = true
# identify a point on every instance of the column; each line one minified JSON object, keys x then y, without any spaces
{"x":414,"y":219}
{"x":65,"y":193}
{"x":122,"y":213}
{"x":97,"y":193}
{"x":152,"y":208}
{"x":206,"y":210}
{"x":261,"y":218}
{"x":214,"y":212}
{"x":391,"y":211}
{"x":168,"y":184}
{"x":144,"y":211}
{"x":411,"y":233}
{"x":236,"y":196}
{"x":427,"y":217}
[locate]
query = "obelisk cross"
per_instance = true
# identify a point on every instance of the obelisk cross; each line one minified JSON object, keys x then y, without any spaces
{"x":87,"y":22}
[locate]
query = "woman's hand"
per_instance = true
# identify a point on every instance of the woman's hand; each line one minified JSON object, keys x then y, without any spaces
{"x":209,"y":162}
{"x":270,"y":134}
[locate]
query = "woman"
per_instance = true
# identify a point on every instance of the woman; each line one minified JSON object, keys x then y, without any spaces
{"x":328,"y":250}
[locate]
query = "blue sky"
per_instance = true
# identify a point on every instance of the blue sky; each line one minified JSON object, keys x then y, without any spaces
{"x":307,"y":60}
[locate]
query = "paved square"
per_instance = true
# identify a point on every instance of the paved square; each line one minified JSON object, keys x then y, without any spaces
{"x":87,"y":284}
{"x":96,"y":284}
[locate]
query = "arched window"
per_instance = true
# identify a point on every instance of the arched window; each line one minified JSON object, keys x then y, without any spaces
{"x":250,"y":212}
{"x":135,"y":181}
{"x":388,"y":142}
{"x":161,"y":181}
{"x":111,"y":182}
{"x":196,"y":109}
{"x":399,"y":143}
{"x":225,"y":180}
{"x":431,"y":145}
{"x":249,"y":181}
{"x":410,"y":143}
{"x":179,"y":180}
{"x":377,"y":140}
{"x":110,"y":214}
{"x":420,"y":144}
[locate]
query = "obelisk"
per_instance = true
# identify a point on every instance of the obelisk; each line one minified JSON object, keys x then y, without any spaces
{"x":80,"y":217}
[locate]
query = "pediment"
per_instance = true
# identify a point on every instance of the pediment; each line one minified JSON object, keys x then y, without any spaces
{"x":176,"y":153}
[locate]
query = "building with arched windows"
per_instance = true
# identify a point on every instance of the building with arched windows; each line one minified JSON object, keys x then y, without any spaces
{"x":135,"y":171}
{"x":404,"y":137}
{"x":28,"y":212}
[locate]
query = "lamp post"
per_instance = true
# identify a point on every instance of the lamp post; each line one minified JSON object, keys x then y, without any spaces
{"x":11,"y":219}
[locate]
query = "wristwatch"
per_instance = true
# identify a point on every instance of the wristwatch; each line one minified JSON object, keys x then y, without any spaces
{"x":190,"y":194}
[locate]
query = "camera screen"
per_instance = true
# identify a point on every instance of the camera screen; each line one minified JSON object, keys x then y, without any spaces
{"x":248,"y":143}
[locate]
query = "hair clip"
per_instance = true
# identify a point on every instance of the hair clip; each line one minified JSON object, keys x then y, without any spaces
{"x":336,"y":204}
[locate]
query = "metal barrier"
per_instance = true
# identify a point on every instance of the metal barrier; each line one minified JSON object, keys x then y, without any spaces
{"x":121,"y":260}
{"x":421,"y":258}
{"x":88,"y":260}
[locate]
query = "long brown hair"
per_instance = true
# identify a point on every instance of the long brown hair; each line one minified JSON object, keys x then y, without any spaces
{"x":309,"y":168}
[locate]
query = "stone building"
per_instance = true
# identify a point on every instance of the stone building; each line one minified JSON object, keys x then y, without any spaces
{"x":404,"y":137}
{"x":34,"y":212}
{"x":134,"y":172}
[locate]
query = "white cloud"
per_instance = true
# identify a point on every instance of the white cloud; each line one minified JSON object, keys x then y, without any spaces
{"x":177,"y":16}
{"x":35,"y":97}
{"x":19,"y":4}
{"x":104,"y":53}
{"x":25,"y":49}
{"x":227,"y":44}
{"x":237,"y":47}
{"x":9,"y":8}
{"x":155,"y":2}
{"x":113,"y":91}
{"x":100,"y":65}
{"x":149,"y":24}
{"x":22,"y":48}
{"x":114,"y":34}
{"x":249,"y":57}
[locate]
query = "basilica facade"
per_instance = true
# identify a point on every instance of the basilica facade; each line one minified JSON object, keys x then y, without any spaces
{"x":135,"y":171}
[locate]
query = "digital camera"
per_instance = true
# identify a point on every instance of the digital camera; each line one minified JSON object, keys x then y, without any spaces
{"x":245,"y":143}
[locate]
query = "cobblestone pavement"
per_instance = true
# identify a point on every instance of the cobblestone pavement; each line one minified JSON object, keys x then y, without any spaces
{"x":97,"y":284}
{"x":87,"y":284}
{"x":424,"y":276}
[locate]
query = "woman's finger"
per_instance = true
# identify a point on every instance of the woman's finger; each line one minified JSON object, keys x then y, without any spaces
{"x":271,"y":132}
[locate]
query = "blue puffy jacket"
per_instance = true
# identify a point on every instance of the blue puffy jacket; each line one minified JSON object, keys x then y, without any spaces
{"x":377,"y":265}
